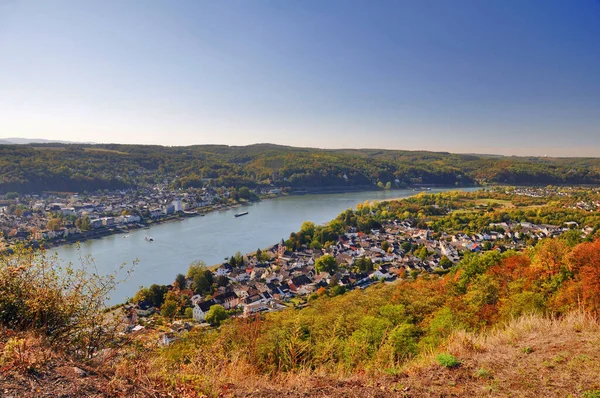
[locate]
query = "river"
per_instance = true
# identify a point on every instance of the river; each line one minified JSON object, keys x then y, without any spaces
{"x":211,"y":238}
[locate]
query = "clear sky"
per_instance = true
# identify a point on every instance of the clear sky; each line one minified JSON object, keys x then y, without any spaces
{"x":505,"y":76}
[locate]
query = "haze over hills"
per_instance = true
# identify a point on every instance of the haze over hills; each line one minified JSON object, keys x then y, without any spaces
{"x":25,"y":141}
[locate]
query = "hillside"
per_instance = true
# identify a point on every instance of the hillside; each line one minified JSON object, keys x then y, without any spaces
{"x":517,"y":318}
{"x":79,"y":167}
{"x":531,"y":356}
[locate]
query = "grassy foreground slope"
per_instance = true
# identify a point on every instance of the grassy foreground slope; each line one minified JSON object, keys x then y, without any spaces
{"x":531,"y":356}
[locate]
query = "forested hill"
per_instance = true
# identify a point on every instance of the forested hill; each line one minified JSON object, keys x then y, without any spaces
{"x":79,"y":167}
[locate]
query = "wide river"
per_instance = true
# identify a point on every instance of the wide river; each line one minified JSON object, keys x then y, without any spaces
{"x":211,"y":238}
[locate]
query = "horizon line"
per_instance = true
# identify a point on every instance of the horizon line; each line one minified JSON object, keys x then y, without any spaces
{"x":43,"y":141}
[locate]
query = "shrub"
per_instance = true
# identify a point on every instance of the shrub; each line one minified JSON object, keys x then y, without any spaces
{"x":63,"y":304}
{"x":591,"y":394}
{"x":527,"y":350}
{"x":448,"y":360}
{"x":404,"y":339}
{"x":482,"y":373}
{"x":216,"y":314}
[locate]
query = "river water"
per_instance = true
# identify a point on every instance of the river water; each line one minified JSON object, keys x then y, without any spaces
{"x":211,"y":238}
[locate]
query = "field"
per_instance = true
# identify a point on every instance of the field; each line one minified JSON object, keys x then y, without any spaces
{"x":86,"y":149}
{"x":500,"y":202}
{"x":104,"y":150}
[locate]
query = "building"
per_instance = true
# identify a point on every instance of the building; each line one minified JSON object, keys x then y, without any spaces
{"x":177,"y":205}
{"x":108,"y":221}
{"x":227,"y":300}
{"x":96,"y":223}
{"x":201,"y":309}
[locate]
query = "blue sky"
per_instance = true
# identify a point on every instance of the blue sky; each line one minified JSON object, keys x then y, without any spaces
{"x":507,"y":76}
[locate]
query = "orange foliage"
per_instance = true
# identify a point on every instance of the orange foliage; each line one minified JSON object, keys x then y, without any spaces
{"x":568,"y":297}
{"x":488,"y":314}
{"x":550,"y":257}
{"x":585,"y":258}
{"x":563,"y":278}
{"x":512,"y":268}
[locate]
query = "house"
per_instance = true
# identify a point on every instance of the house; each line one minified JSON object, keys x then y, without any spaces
{"x":168,"y":338}
{"x":96,"y":223}
{"x":196,"y":299}
{"x":170,"y":209}
{"x":68,"y":211}
{"x":177,"y":205}
{"x":227,"y":300}
{"x":108,"y":221}
{"x":201,"y":309}
{"x":475,"y":248}
{"x":298,"y":282}
{"x":257,"y":306}
{"x":223,"y":270}
{"x":156,"y":213}
{"x":241,"y":291}
{"x":128,"y":219}
{"x":144,"y":308}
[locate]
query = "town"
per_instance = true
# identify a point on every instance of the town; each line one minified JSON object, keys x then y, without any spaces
{"x":277,"y":278}
{"x":51,"y":219}
{"x":287,"y":274}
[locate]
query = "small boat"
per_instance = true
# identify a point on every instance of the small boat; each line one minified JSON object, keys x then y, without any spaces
{"x":241,"y":214}
{"x":149,"y":238}
{"x":125,"y":236}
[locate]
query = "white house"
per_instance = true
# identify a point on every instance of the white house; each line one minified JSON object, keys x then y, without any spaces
{"x":177,"y":205}
{"x":108,"y":221}
{"x":96,"y":223}
{"x":255,"y":307}
{"x":201,"y":309}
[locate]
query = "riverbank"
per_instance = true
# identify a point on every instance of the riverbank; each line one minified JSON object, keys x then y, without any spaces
{"x":371,"y":188}
{"x":212,"y":238}
{"x":99,"y":233}
{"x":125,"y":229}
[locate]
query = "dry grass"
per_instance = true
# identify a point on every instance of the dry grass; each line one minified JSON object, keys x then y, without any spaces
{"x":529,"y":357}
{"x":29,"y":367}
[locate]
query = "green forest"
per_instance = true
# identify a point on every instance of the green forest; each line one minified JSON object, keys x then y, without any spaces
{"x":83,"y":167}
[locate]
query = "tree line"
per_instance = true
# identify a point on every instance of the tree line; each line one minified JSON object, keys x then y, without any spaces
{"x":78,"y":167}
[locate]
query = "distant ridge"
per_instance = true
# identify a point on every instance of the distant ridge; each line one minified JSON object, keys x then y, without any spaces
{"x":25,"y":141}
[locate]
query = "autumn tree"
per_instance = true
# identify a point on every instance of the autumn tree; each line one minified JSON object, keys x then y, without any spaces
{"x":585,"y":260}
{"x":326,"y":263}
{"x":385,"y":245}
{"x":364,"y":264}
{"x":54,"y":224}
{"x":216,"y":314}
{"x":63,"y":305}
{"x":180,"y":281}
{"x":83,"y":223}
{"x":202,"y":278}
{"x":169,"y":309}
